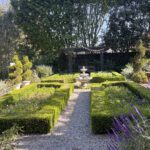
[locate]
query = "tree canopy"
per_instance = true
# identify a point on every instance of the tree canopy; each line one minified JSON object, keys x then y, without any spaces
{"x":9,"y":35}
{"x":50,"y":25}
{"x":129,"y":21}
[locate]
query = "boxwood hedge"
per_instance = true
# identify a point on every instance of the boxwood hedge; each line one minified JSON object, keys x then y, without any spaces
{"x":42,"y":120}
{"x":105,"y":76}
{"x":105,"y":105}
{"x":61,"y":78}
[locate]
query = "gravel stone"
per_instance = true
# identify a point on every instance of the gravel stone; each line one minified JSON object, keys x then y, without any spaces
{"x":72,"y":132}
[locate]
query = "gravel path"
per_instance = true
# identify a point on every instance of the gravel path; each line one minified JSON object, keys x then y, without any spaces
{"x":72,"y":132}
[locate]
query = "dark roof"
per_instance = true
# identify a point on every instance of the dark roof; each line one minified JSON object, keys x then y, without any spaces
{"x":83,"y":50}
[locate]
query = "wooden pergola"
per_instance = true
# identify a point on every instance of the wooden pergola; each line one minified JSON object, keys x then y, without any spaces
{"x":72,"y":52}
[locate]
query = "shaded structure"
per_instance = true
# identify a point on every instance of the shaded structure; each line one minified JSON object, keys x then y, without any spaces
{"x":95,"y":59}
{"x":80,"y":57}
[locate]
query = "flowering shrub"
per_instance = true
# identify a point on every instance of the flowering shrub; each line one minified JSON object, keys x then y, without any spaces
{"x":130,"y":132}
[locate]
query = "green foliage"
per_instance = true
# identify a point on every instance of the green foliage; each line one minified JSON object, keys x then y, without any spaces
{"x":9,"y":35}
{"x":141,"y":140}
{"x":44,"y":71}
{"x":16,"y":70}
{"x":52,"y":25}
{"x":38,"y":111}
{"x":146,"y":65}
{"x":35,"y":78}
{"x":18,"y":95}
{"x":8,"y":137}
{"x":128,"y":22}
{"x":27,"y":72}
{"x":127,"y":71}
{"x":106,"y":76}
{"x":54,"y":85}
{"x":140,"y":77}
{"x":5,"y":87}
{"x":114,"y":99}
{"x":138,"y":74}
{"x":61,"y":78}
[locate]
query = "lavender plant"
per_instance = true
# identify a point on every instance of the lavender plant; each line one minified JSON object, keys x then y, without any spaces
{"x":130,"y":132}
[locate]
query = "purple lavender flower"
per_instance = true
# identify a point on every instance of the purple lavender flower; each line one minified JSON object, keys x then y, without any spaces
{"x":119,"y":124}
{"x":134,"y":118}
{"x":138,"y":111}
{"x":110,"y":135}
{"x":116,"y":135}
{"x":139,"y":129}
{"x":122,"y":118}
{"x":115,"y":125}
{"x":127,"y":119}
{"x":126,"y":131}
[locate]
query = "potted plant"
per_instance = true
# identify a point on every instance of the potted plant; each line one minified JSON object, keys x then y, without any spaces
{"x":15,"y":71}
{"x":27,"y":72}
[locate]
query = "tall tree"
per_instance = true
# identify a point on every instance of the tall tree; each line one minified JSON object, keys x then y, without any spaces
{"x":8,"y":38}
{"x":129,"y":21}
{"x":54,"y":24}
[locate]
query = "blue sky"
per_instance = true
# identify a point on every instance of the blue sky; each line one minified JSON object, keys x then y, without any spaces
{"x":3,"y":2}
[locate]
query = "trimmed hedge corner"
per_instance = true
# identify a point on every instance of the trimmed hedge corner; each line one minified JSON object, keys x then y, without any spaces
{"x":105,"y":76}
{"x":43,"y":119}
{"x":114,"y":99}
{"x":61,"y":78}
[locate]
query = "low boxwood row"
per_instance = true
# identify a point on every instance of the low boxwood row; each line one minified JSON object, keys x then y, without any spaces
{"x":47,"y":84}
{"x":104,"y":76}
{"x":64,"y":78}
{"x":105,"y":106}
{"x":136,"y":88}
{"x":43,"y":120}
{"x":17,"y":95}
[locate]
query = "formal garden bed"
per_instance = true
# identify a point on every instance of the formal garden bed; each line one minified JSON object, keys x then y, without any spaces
{"x":113,"y":99}
{"x":99,"y":48}
{"x":35,"y":108}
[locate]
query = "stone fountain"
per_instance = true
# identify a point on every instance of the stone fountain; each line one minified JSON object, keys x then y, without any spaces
{"x":84,"y":78}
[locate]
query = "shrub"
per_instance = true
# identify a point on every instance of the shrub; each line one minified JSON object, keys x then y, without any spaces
{"x":146,"y":65}
{"x":42,"y":119}
{"x":5,"y":87}
{"x":54,"y":85}
{"x":138,"y":74}
{"x":35,"y":78}
{"x":138,"y":90}
{"x":110,"y":101}
{"x":27,"y":72}
{"x":106,"y":76}
{"x":130,"y":133}
{"x":17,"y":95}
{"x":61,"y":78}
{"x":140,"y":77}
{"x":8,"y":137}
{"x":127,"y":71}
{"x":44,"y":71}
{"x":16,"y":70}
